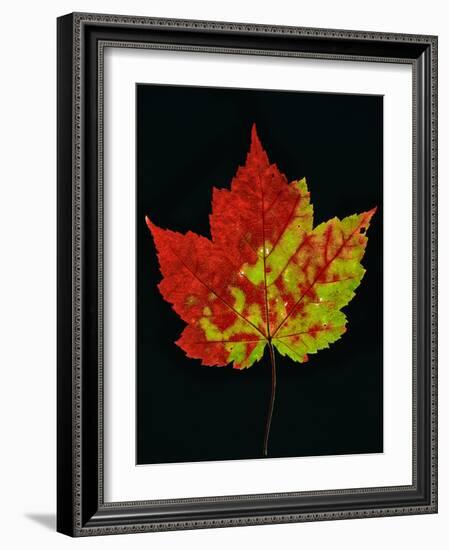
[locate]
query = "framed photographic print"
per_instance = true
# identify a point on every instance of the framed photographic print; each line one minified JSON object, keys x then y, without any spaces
{"x":246,"y":274}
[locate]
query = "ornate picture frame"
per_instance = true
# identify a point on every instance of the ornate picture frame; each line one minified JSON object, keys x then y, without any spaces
{"x":82,"y":509}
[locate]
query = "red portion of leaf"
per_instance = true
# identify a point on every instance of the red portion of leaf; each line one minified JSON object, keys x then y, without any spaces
{"x":196,"y":276}
{"x":256,"y":209}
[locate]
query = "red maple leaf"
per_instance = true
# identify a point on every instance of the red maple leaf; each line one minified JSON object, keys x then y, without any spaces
{"x":267,"y":277}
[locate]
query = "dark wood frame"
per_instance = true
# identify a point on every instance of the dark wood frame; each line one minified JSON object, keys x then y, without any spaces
{"x":81,"y":509}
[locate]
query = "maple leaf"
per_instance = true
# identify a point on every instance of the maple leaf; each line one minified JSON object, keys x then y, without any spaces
{"x":267,"y":276}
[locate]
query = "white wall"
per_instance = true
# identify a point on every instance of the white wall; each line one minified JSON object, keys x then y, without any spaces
{"x":28,"y":321}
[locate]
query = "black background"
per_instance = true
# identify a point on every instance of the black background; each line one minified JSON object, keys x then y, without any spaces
{"x":190,"y":139}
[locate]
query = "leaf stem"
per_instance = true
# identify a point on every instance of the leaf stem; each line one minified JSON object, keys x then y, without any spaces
{"x":272,"y":398}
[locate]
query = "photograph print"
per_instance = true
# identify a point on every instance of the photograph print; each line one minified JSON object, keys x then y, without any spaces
{"x":259,"y":268}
